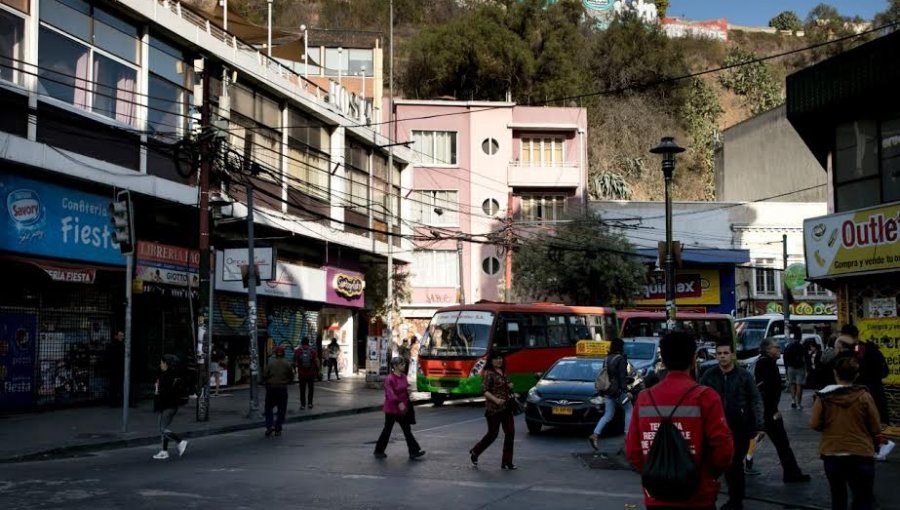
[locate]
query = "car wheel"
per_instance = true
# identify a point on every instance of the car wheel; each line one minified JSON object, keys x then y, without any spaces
{"x":533,"y":427}
{"x":438,"y":399}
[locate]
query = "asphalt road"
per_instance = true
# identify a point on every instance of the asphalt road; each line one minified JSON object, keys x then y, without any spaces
{"x":328,"y":464}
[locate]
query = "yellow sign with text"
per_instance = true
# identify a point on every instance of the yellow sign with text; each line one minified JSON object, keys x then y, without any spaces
{"x":885,"y":333}
{"x":692,"y":287}
{"x":853,"y":242}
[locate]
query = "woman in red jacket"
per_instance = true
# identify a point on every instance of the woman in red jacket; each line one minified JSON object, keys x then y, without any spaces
{"x":397,"y":409}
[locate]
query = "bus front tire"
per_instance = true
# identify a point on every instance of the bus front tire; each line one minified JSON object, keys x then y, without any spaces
{"x":533,"y":427}
{"x":438,"y":399}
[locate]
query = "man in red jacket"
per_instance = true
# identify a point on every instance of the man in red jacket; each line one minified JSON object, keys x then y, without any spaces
{"x":700,"y":418}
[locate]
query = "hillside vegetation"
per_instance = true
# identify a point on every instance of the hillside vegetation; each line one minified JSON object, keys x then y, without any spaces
{"x":636,"y":83}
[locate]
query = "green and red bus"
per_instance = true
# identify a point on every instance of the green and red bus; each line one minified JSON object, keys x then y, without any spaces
{"x":533,"y":336}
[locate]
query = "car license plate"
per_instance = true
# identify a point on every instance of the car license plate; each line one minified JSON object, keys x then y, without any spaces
{"x":565,"y":410}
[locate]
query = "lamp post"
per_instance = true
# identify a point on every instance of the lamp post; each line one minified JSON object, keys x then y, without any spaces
{"x":305,"y":51}
{"x":668,"y":149}
{"x":269,"y":38}
{"x":340,"y":63}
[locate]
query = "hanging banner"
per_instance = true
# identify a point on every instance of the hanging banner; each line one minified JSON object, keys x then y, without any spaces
{"x":17,"y":348}
{"x":885,"y":333}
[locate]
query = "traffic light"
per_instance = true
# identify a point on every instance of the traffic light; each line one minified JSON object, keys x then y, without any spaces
{"x":122,"y":217}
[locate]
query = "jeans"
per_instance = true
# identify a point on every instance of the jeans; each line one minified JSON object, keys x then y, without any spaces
{"x":776,"y":433}
{"x":389,"y":419}
{"x":609,"y":411}
{"x":332,"y":363}
{"x":734,"y":476}
{"x":857,"y":473}
{"x":494,"y":421}
{"x":307,"y":385}
{"x":165,"y":419}
{"x":276,"y":397}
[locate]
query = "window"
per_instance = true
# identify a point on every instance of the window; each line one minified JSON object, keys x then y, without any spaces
{"x":359,"y":191}
{"x":114,"y":88}
{"x":434,"y":147}
{"x":816,"y":290}
{"x":435,"y":268}
{"x":490,"y":146}
{"x":490,"y":207}
{"x":866,"y":164}
{"x":435,"y":207}
{"x":765,"y":277}
{"x":336,"y":63}
{"x":64,"y":68}
{"x":171,"y":85}
{"x":22,"y":5}
{"x":890,"y":160}
{"x":93,"y":26}
{"x":490,"y":266}
{"x":360,"y":60}
{"x":12,"y":30}
{"x":542,"y":209}
{"x":542,"y":152}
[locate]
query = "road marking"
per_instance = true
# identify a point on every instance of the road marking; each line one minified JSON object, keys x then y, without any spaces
{"x":150,"y":493}
{"x":418,"y":431}
{"x":583,"y":492}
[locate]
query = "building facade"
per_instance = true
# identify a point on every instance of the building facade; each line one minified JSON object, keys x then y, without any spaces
{"x":103,"y":96}
{"x":484,"y":172}
{"x":847,"y":112}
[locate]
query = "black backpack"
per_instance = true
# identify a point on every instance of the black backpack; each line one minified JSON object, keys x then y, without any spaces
{"x":670,"y":473}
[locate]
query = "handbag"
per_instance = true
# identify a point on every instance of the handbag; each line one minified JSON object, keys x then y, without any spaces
{"x":514,"y":405}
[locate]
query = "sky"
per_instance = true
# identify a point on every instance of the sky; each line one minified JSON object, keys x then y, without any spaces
{"x":759,"y":12}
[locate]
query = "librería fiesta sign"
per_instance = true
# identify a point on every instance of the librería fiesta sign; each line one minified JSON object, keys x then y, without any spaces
{"x":867,"y":240}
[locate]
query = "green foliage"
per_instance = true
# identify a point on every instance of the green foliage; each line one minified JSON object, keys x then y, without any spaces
{"x":700,"y":114}
{"x":376,"y":290}
{"x":609,"y":186}
{"x":753,"y":81}
{"x":662,"y":6}
{"x":583,"y":263}
{"x":786,"y":20}
{"x":889,"y":16}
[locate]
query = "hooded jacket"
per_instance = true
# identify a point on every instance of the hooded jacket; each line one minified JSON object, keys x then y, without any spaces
{"x":848,"y":420}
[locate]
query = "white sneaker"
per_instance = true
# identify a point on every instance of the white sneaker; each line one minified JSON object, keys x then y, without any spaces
{"x":162,"y":455}
{"x":181,"y":447}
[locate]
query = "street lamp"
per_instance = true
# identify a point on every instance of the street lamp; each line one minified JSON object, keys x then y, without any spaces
{"x":305,"y":51}
{"x":269,"y":38}
{"x":340,"y":63}
{"x":668,"y":148}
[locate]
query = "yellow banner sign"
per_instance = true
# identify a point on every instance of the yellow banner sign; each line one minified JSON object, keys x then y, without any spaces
{"x":692,"y":287}
{"x":855,"y":242}
{"x":885,"y":333}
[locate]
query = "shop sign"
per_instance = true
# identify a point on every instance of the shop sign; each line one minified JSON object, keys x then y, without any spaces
{"x":860,"y":241}
{"x":345,"y":288}
{"x":884,"y":332}
{"x":881,"y":307}
{"x":798,"y":308}
{"x":17,"y":349}
{"x":46,"y":219}
{"x":235,"y":259}
{"x":692,"y":287}
{"x":164,"y":264}
{"x":68,"y":274}
{"x":291,"y":281}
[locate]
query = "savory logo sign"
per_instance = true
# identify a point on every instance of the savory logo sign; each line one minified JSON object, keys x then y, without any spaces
{"x":854,"y":242}
{"x":349,"y":286}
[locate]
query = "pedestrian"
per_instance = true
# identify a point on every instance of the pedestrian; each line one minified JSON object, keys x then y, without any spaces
{"x":215,"y":370}
{"x":397,"y":409}
{"x":872,"y":367}
{"x":616,"y":396}
{"x":743,"y":412}
{"x":404,"y":352}
{"x":848,"y":419}
{"x":278,"y":375}
{"x":308,"y":369}
{"x":695,"y":410}
{"x":813,"y":360}
{"x":795,"y":366}
{"x":333,"y":353}
{"x":497,"y":391}
{"x":167,"y":399}
{"x":116,"y":360}
{"x":768,"y":379}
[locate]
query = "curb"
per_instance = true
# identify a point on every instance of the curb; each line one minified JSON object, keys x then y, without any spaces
{"x":86,"y":449}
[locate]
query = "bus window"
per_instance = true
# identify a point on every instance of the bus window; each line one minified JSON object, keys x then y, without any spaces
{"x":603,"y":327}
{"x":578,"y":329}
{"x":507,"y":334}
{"x":557,"y":334}
{"x":534,"y":330}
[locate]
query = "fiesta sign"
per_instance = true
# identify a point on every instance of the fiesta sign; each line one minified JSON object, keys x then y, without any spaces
{"x":854,"y":242}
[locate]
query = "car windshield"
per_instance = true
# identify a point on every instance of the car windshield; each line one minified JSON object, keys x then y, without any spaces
{"x":640,"y":350}
{"x":581,"y":370}
{"x":751,"y":332}
{"x":458,"y":334}
{"x":709,"y":331}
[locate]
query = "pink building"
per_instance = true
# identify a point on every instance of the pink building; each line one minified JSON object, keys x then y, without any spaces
{"x":480,"y":168}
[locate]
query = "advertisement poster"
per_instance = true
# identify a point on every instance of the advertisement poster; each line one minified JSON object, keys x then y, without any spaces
{"x":884,"y":332}
{"x":17,"y":341}
{"x":45,"y":219}
{"x":855,"y":242}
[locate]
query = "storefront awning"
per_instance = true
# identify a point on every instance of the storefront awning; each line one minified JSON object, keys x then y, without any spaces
{"x":703,"y":256}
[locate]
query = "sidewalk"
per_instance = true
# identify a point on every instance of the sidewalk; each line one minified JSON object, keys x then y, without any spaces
{"x":69,"y":432}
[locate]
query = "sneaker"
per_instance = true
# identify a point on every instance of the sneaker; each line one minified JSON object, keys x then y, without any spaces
{"x":303,"y":407}
{"x":162,"y":455}
{"x":182,"y":446}
{"x":509,"y":467}
{"x":310,"y":406}
{"x":413,"y":456}
{"x":380,"y":455}
{"x":793,"y":405}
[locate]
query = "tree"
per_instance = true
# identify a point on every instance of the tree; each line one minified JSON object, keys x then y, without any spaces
{"x":752,"y":80}
{"x":786,"y":20}
{"x":662,"y":6}
{"x":890,"y":16}
{"x":583,"y":263}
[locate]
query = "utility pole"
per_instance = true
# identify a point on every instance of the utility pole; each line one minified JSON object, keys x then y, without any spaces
{"x":462,"y":284}
{"x":507,"y":274}
{"x":253,"y":412}
{"x":391,"y":133}
{"x":203,"y":318}
{"x":121,"y":214}
{"x":786,"y":303}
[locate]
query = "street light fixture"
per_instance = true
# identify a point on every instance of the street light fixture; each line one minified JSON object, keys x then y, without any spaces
{"x":269,"y":30}
{"x":340,"y":63}
{"x":668,"y":149}
{"x":305,"y":51}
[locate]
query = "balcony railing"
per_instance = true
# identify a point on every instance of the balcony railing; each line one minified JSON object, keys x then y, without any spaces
{"x":544,"y":175}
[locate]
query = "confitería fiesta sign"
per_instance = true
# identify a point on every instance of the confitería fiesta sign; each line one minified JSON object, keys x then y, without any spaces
{"x":862,"y":241}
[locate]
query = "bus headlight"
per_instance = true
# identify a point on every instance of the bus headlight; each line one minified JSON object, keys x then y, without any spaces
{"x":596,"y":401}
{"x":477,"y":368}
{"x":533,"y":396}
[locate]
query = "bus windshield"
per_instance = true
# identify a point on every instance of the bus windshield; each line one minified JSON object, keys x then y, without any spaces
{"x":456,"y":334}
{"x":751,"y":332}
{"x":707,"y":330}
